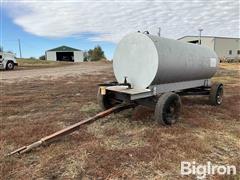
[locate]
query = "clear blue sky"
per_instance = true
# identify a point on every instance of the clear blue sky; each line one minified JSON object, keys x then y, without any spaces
{"x":83,"y":24}
{"x":35,"y":46}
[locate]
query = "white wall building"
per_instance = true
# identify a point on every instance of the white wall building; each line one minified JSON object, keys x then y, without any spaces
{"x":64,"y":53}
{"x":225,"y":47}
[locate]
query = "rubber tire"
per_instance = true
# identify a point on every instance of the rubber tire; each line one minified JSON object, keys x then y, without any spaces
{"x":215,"y":88}
{"x":163,"y":103}
{"x":104,"y":101}
{"x":9,"y":63}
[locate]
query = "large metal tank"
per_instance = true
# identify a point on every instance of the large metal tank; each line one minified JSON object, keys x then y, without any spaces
{"x":151,"y":60}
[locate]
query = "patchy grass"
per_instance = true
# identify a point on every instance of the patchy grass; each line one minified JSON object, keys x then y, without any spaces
{"x":127,"y":145}
{"x":36,"y":63}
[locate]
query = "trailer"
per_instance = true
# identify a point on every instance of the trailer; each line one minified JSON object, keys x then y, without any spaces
{"x":155,"y":72}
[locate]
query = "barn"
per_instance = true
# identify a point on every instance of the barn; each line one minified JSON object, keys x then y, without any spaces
{"x":64,"y":53}
{"x":225,"y":47}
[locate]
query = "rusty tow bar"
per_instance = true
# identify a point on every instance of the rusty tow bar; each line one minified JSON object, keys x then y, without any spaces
{"x":70,"y":129}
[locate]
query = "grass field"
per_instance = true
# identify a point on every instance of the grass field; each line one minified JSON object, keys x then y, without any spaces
{"x":35,"y":63}
{"x":128,"y":145}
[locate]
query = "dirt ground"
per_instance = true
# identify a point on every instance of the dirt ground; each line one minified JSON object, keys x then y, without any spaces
{"x":58,"y":69}
{"x":128,"y":145}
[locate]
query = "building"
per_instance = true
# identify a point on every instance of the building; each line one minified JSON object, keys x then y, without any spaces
{"x":225,"y":47}
{"x":64,"y":53}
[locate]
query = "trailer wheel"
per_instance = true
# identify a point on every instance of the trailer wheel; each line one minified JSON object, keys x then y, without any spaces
{"x":216,"y":94}
{"x":9,"y":65}
{"x":104,"y":101}
{"x":168,"y":108}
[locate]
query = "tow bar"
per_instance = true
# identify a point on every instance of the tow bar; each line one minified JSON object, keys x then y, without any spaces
{"x":70,"y":129}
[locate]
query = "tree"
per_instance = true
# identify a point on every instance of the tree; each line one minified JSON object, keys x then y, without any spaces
{"x":1,"y":49}
{"x":96,"y":54}
{"x":85,"y":56}
{"x":42,"y":57}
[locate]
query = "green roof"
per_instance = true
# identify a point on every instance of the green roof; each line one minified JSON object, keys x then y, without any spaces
{"x":64,"y":48}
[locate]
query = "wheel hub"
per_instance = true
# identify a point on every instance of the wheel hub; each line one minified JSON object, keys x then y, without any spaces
{"x":219,"y":95}
{"x":10,"y":65}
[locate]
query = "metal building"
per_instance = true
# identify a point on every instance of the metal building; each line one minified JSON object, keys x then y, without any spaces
{"x":225,"y":47}
{"x":64,"y":53}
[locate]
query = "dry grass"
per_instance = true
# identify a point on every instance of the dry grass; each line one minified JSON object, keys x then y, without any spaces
{"x":36,"y":63}
{"x":125,"y":145}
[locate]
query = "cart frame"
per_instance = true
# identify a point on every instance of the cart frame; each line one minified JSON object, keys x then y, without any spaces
{"x":113,"y":93}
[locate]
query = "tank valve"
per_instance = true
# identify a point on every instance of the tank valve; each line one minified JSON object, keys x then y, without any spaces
{"x":125,"y":79}
{"x":125,"y":83}
{"x":145,"y":32}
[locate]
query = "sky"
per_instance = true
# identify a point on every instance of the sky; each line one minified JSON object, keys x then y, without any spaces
{"x":45,"y":24}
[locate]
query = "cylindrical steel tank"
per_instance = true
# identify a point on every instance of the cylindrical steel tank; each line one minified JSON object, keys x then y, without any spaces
{"x":151,"y":60}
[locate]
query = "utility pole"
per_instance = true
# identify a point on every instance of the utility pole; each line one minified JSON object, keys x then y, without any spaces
{"x":159,"y":32}
{"x":20,"y":50}
{"x":200,"y":35}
